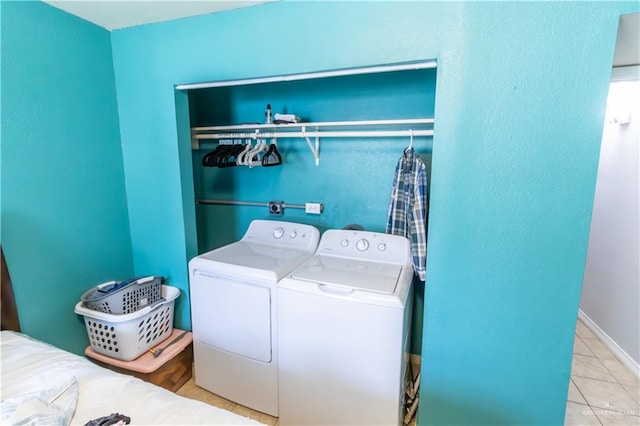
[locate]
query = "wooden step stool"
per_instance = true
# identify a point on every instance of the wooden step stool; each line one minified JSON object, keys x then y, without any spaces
{"x":170,"y":370}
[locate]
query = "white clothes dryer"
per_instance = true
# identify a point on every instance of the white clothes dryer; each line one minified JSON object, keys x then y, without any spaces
{"x":233,"y":310}
{"x":344,"y":327}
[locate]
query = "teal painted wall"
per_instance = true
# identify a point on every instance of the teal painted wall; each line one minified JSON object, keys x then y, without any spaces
{"x":343,"y":181}
{"x":509,"y":228}
{"x":521,"y":91}
{"x":64,"y":211}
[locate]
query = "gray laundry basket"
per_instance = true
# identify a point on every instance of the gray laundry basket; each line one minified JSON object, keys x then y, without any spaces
{"x":124,"y":297}
{"x":126,"y":337}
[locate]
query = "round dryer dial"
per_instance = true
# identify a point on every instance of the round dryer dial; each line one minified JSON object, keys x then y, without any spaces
{"x":278,"y":233}
{"x":362,"y":245}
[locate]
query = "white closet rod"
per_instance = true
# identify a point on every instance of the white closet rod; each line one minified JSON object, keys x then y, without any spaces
{"x":316,"y":134}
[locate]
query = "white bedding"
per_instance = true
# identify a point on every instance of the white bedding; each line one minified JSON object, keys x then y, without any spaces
{"x":33,"y":367}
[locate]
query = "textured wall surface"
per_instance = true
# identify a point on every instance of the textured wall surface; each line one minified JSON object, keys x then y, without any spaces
{"x":519,"y":107}
{"x":520,"y":100}
{"x":64,"y":211}
{"x":343,"y":180}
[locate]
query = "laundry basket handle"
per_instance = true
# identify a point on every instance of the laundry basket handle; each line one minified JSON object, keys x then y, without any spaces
{"x":111,"y":286}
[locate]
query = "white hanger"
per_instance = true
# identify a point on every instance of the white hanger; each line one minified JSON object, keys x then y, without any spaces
{"x":253,"y":158}
{"x":240,"y":159}
{"x":248,"y":154}
{"x":410,"y":138}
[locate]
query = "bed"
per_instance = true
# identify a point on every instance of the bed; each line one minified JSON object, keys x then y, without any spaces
{"x":42,"y":384}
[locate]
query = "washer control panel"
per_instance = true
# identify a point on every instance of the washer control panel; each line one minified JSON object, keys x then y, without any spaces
{"x":365,"y":245}
{"x":294,"y":235}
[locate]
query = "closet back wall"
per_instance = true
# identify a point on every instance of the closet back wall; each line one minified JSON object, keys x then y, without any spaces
{"x":355,"y":175}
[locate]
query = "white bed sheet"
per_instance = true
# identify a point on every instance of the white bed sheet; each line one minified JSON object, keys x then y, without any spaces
{"x":29,"y":365}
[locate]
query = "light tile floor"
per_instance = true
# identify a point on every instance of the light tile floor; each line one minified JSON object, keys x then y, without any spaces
{"x":602,"y":390}
{"x":190,"y":390}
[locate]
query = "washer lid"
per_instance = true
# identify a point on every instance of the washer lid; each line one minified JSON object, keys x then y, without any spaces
{"x":350,"y":274}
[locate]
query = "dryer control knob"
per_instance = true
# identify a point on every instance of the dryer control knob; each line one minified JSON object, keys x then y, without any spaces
{"x":293,"y":234}
{"x":344,"y":242}
{"x":278,"y":233}
{"x":382,"y":246}
{"x":362,"y":245}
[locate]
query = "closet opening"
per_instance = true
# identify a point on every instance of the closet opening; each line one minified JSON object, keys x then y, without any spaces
{"x":353,"y":179}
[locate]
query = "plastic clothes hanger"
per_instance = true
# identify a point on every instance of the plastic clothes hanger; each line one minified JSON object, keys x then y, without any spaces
{"x":272,"y":157}
{"x":211,"y":159}
{"x":247,"y":155}
{"x":230,"y":156}
{"x":253,"y":157}
{"x":410,"y":147}
{"x":215,"y":159}
{"x":251,"y":154}
{"x":240,"y":159}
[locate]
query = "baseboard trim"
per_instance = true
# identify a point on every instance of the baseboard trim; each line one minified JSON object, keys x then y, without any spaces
{"x":620,"y":353}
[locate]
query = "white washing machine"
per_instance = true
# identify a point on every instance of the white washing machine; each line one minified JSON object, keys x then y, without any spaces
{"x":233,"y":310}
{"x":344,"y":328}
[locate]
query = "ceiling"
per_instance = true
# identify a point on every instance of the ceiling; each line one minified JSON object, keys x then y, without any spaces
{"x":628,"y":42}
{"x":116,"y":14}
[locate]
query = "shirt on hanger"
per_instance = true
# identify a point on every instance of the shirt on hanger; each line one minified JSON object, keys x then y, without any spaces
{"x":408,"y":208}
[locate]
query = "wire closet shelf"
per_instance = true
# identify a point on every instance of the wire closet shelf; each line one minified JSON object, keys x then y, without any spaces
{"x":404,"y":128}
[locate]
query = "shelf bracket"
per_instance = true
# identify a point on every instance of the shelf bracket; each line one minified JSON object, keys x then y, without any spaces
{"x":314,"y":150}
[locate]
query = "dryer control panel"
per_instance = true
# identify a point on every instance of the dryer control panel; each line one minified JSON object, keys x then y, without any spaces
{"x":275,"y":232}
{"x":364,"y":245}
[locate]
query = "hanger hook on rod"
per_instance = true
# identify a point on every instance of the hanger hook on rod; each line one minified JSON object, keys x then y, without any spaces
{"x":410,"y":138}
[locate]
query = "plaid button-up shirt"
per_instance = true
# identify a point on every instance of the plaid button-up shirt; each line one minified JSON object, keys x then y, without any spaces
{"x":408,"y":208}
